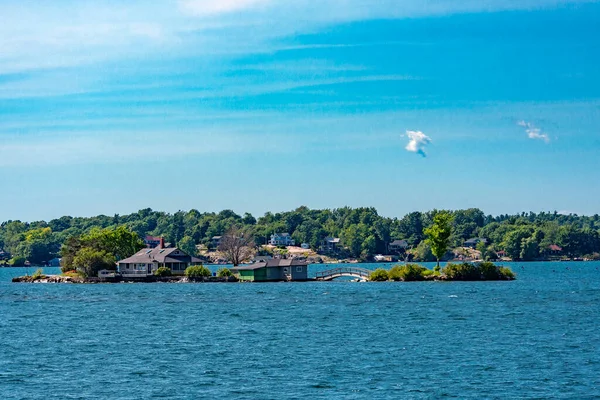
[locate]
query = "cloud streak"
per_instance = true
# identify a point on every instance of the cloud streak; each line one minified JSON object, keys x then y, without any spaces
{"x":417,"y":142}
{"x":533,"y":132}
{"x":211,"y":7}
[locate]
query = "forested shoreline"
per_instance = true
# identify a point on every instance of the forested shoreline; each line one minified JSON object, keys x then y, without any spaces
{"x":362,"y":232}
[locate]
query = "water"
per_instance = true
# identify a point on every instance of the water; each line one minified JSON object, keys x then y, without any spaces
{"x":536,"y":337}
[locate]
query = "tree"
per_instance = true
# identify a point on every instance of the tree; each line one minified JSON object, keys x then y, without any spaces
{"x":529,"y":249}
{"x":237,"y":244}
{"x":438,"y":235}
{"x":119,"y":242}
{"x":187,"y":245}
{"x":89,"y":261}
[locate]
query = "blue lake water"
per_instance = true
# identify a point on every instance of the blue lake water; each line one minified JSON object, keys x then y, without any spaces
{"x":536,"y":337}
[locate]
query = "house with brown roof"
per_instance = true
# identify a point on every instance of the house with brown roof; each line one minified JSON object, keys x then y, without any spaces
{"x":146,"y":261}
{"x":554,"y":250}
{"x":398,"y":246}
{"x":330,"y":245}
{"x":273,"y":270}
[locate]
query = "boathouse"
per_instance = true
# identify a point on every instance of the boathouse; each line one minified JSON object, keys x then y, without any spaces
{"x":273,"y":270}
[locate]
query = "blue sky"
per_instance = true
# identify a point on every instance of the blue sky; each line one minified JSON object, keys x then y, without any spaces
{"x":108,"y":106}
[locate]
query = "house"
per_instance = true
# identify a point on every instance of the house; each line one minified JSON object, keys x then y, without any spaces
{"x":472,"y":243}
{"x":146,"y":261}
{"x":398,"y":246}
{"x":305,"y":246}
{"x":215,"y":241}
{"x":554,"y":250}
{"x":273,"y":270}
{"x":501,"y":253}
{"x":330,"y":245}
{"x":152,"y":241}
{"x":282,"y":239}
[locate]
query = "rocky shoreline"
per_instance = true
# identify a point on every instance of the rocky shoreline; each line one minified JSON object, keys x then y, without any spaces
{"x":119,"y":279}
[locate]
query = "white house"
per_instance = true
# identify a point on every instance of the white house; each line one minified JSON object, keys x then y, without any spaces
{"x":282,"y":239}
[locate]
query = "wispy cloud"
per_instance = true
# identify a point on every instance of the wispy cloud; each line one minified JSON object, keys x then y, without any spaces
{"x":417,"y":142}
{"x":533,"y":132}
{"x":208,"y":7}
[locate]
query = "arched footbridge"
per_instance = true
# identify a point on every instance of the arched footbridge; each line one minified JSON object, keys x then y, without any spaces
{"x":351,"y":272}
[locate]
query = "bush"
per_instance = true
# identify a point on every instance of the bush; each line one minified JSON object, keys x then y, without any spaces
{"x":197,"y":271}
{"x":489,"y":271}
{"x":506,"y":273}
{"x":462,"y":272}
{"x":428,"y":272}
{"x":38,"y":274}
{"x":224,"y":272}
{"x":379,"y":275}
{"x":163,"y":271}
{"x":408,"y":272}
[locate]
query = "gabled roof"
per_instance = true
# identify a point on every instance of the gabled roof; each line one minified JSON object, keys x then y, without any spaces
{"x":476,"y":240}
{"x":154,"y":255}
{"x":399,"y":242}
{"x":272,"y":263}
{"x":281,"y":234}
{"x":554,"y":247}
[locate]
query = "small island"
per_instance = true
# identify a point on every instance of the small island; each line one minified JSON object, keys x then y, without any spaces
{"x":119,"y":255}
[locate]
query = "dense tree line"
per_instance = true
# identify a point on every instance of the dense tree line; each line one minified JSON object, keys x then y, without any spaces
{"x":363,"y":231}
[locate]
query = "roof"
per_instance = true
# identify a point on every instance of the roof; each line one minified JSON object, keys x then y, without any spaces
{"x":216,"y":237}
{"x":154,"y":255}
{"x":476,"y":240}
{"x":272,"y":263}
{"x":399,"y":242}
{"x":332,"y":240}
{"x":281,"y":234}
{"x":554,"y":247}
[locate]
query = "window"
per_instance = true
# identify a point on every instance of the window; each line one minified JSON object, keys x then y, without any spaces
{"x":298,"y":269}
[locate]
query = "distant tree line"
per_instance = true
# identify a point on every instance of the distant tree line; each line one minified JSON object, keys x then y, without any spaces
{"x":363,"y":232}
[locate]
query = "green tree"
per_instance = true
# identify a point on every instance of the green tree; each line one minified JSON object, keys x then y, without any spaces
{"x":438,"y":235}
{"x":89,"y":261}
{"x":529,"y":249}
{"x":188,"y":245}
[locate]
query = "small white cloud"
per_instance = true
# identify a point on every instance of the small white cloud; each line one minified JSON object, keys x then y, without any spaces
{"x":533,"y":132}
{"x":417,"y":141}
{"x":210,"y":7}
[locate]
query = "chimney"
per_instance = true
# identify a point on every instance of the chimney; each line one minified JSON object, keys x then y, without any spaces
{"x":161,"y":244}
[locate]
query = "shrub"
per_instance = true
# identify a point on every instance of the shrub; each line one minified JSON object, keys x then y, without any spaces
{"x":408,"y":272}
{"x":489,"y":271}
{"x":38,"y":274}
{"x":379,"y":275}
{"x":427,"y":272}
{"x":506,"y":273}
{"x":462,"y":272}
{"x":224,"y":272}
{"x":197,"y":271}
{"x":163,"y":271}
